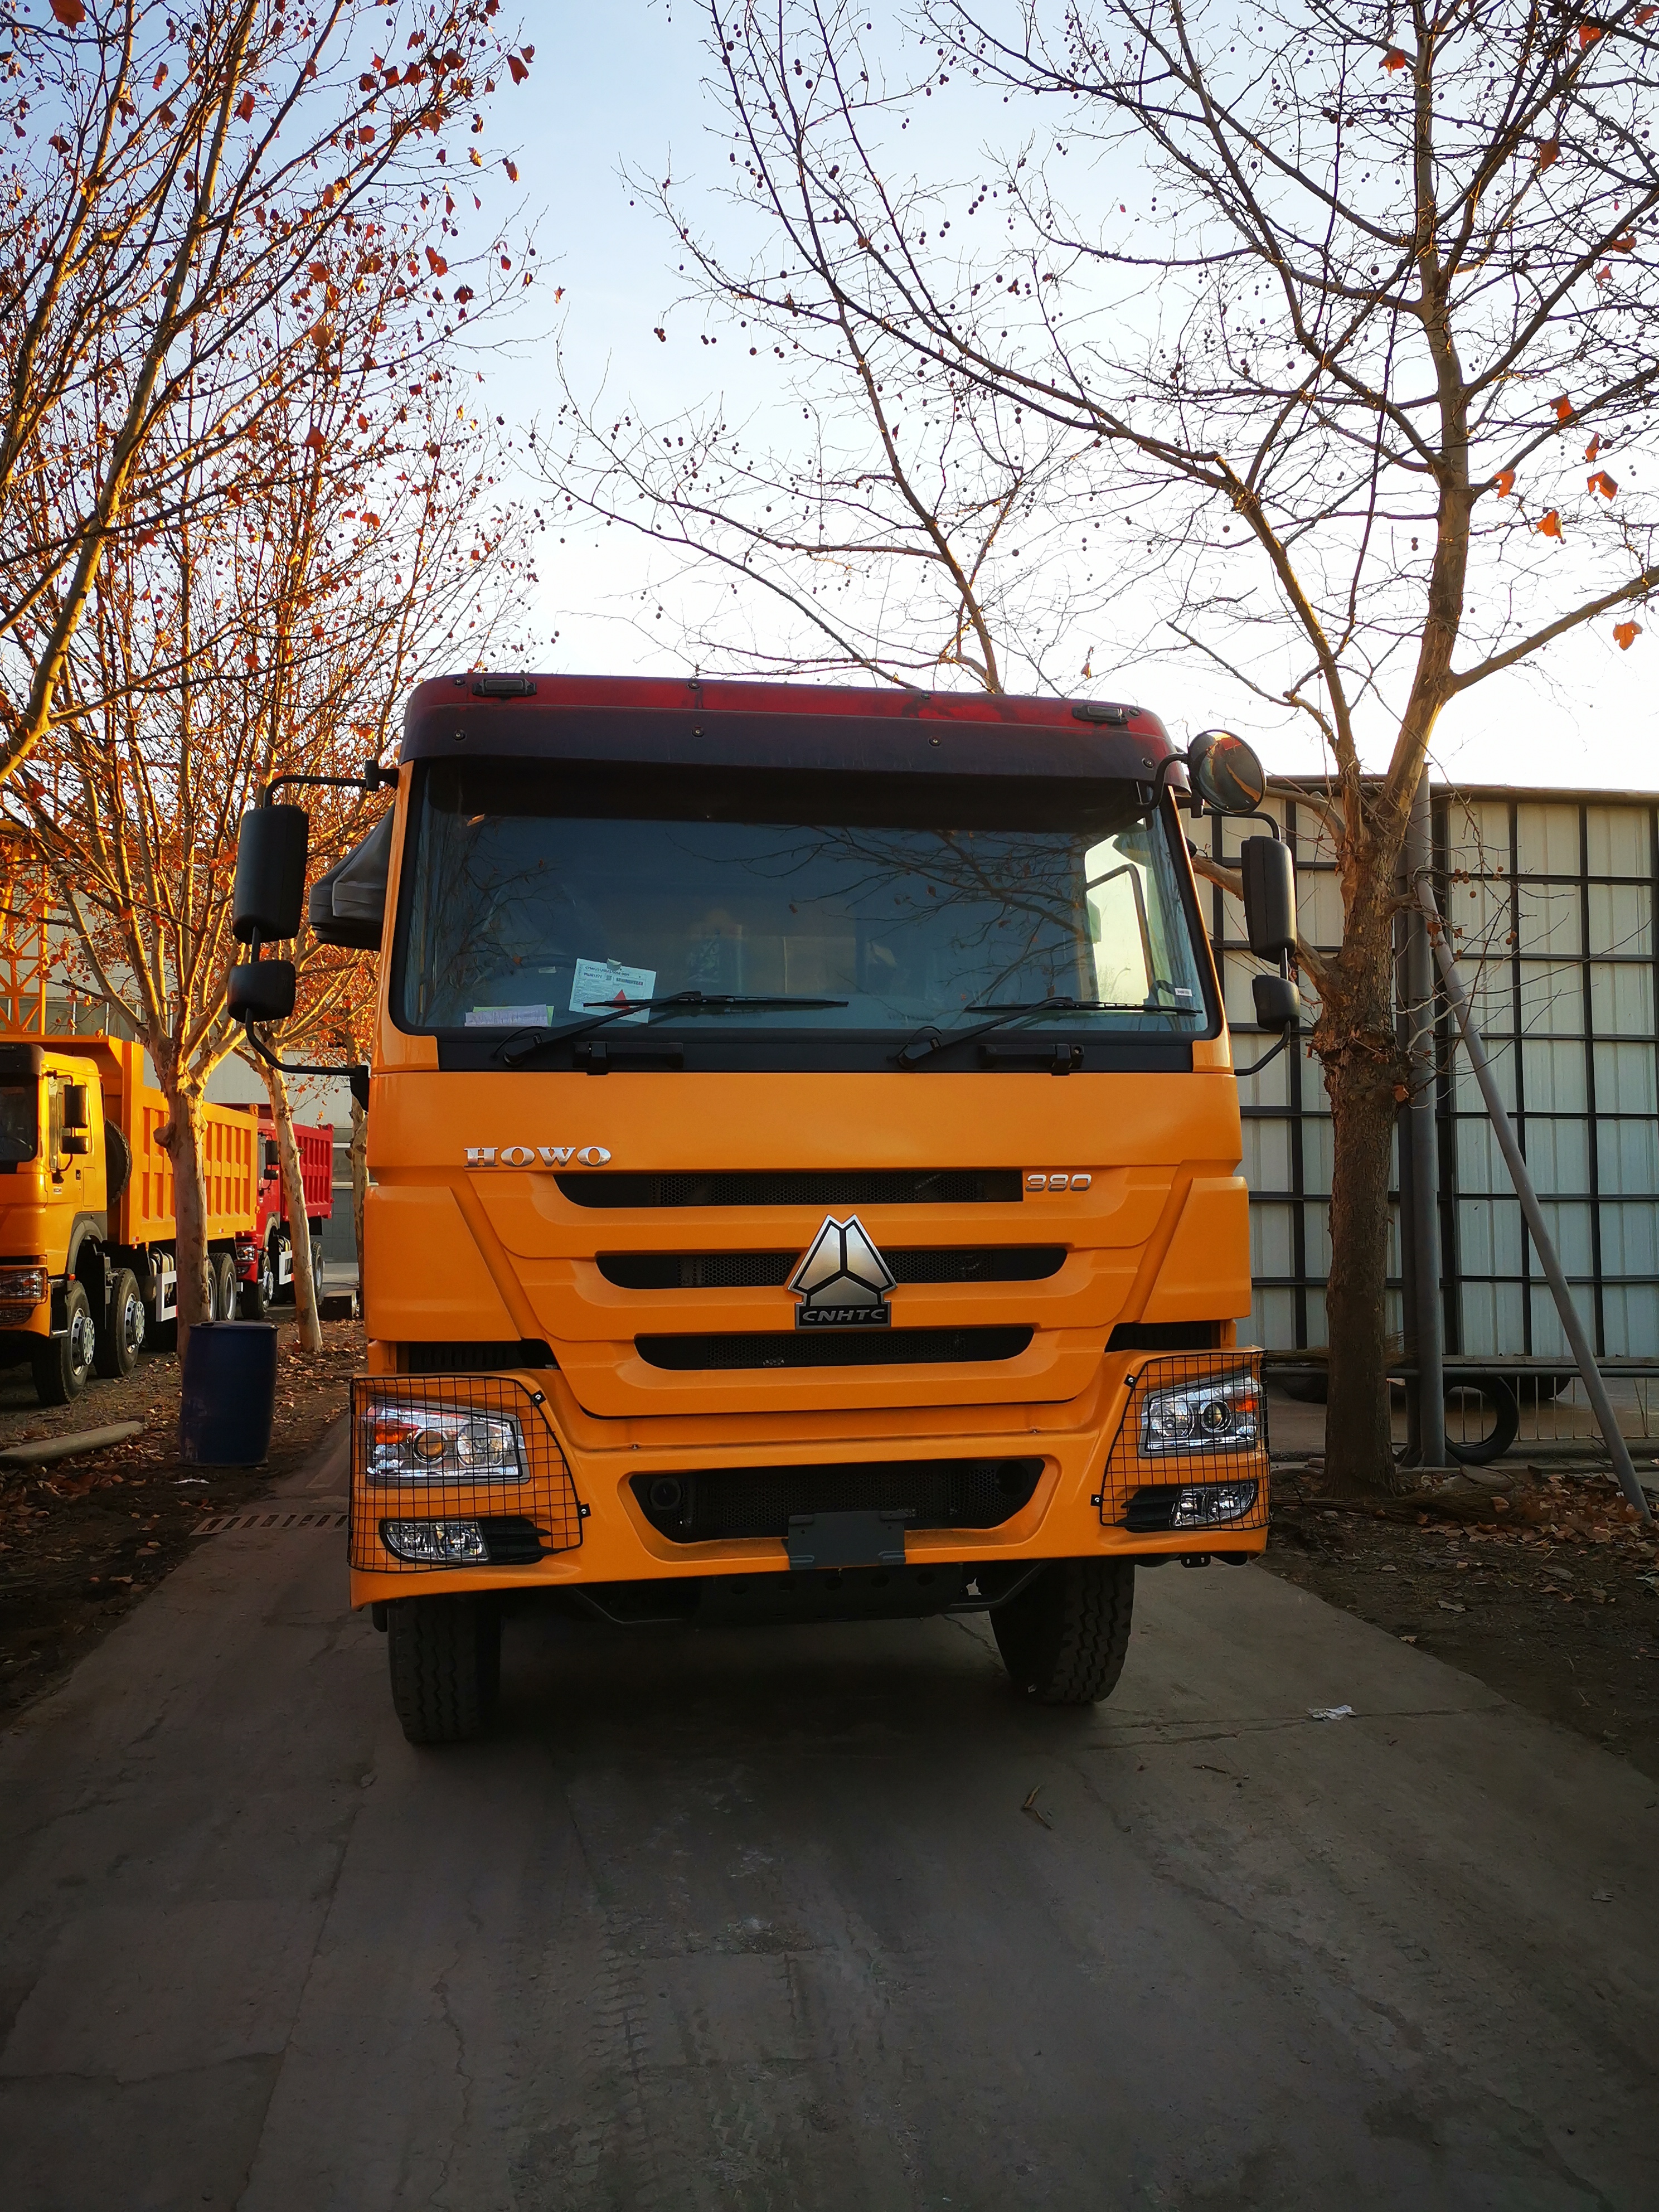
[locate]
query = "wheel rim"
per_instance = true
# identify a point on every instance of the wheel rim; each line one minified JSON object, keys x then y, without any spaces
{"x":82,"y":1343}
{"x":133,"y":1326}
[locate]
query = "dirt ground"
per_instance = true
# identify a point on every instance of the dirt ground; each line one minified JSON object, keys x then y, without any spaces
{"x":1540,"y":1581}
{"x":83,"y":1540}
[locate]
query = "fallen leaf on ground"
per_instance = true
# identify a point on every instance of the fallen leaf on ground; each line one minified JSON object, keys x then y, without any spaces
{"x":1035,"y":1810}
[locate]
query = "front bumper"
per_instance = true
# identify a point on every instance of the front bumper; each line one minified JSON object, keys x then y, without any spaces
{"x":580,"y":1492}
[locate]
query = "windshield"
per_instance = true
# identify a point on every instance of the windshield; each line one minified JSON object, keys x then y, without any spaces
{"x":19,"y":1121}
{"x":541,"y":892}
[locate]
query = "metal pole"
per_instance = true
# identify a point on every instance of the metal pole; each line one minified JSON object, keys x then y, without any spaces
{"x":1611,"y":1435}
{"x":1423,"y":1226}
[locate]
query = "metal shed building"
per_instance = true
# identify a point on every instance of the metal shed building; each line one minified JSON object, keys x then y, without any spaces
{"x":1551,"y":895}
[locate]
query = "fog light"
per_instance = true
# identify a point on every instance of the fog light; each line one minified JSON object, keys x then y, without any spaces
{"x":1201,"y":1504}
{"x":436,"y":1543}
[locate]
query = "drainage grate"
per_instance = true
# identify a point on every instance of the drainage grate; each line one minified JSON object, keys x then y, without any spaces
{"x":221,"y":1524}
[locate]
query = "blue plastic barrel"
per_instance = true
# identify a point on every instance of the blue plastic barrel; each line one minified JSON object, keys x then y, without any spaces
{"x":229,"y":1396}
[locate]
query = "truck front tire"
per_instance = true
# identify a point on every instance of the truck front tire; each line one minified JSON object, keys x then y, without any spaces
{"x":1063,"y":1638}
{"x":445,"y":1654}
{"x":63,"y":1362}
{"x":122,"y":1336}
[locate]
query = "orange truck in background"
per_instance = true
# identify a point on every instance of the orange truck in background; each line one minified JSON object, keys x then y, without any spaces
{"x":805,"y":1143}
{"x":88,"y":1253}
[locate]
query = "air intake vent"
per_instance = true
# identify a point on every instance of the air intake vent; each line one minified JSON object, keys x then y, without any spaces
{"x":834,"y":1187}
{"x":833,"y":1347}
{"x":725,"y":1503}
{"x":736,"y":1271}
{"x":474,"y":1358}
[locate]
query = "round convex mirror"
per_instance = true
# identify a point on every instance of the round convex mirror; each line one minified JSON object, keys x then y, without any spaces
{"x":1225,"y":772}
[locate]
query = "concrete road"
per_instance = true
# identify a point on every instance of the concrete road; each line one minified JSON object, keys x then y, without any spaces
{"x":759,"y":1922}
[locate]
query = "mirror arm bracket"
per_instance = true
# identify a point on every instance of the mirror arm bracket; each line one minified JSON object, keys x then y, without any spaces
{"x":298,"y":1068}
{"x":373,"y":778}
{"x":1273,"y":1053}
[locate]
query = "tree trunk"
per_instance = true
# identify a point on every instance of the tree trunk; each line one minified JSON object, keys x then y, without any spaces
{"x":183,"y":1139}
{"x":1358,"y":1447}
{"x":309,"y":1328}
{"x":359,"y":1185}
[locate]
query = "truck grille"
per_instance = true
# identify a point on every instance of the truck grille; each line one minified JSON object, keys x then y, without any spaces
{"x":835,"y":1187}
{"x":885,"y":1347}
{"x":733,"y":1271}
{"x":724,"y":1502}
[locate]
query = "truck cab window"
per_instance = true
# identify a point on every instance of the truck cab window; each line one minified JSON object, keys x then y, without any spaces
{"x":20,"y":1122}
{"x":539,"y":891}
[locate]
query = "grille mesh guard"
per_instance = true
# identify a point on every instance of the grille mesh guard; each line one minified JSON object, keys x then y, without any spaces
{"x":1127,"y":1471}
{"x":545,"y":1499}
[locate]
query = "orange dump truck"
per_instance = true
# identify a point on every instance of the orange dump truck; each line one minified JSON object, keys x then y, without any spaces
{"x":88,"y":1265}
{"x":804,"y":1147}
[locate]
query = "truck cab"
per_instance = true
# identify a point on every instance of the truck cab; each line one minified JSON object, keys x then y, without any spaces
{"x":806,"y":1146}
{"x":54,"y":1203}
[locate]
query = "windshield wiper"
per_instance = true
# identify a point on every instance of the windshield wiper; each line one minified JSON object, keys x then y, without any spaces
{"x":512,"y":1051}
{"x":926,"y":1043}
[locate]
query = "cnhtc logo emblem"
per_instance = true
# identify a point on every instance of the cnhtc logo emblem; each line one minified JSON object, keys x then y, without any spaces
{"x":843,"y":1281}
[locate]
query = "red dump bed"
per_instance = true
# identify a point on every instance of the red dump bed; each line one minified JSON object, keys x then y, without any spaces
{"x":316,"y":1169}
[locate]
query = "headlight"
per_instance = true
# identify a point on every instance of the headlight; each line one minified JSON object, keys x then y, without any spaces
{"x":1220,"y":1413}
{"x":407,"y":1441}
{"x":23,"y":1285}
{"x":436,"y":1543}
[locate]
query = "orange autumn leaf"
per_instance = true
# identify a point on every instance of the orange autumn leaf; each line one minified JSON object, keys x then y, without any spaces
{"x":1589,"y":33}
{"x":1645,"y":16}
{"x":1563,"y":408}
{"x":511,"y":169}
{"x":1626,"y":634}
{"x":1594,"y":447}
{"x":1551,"y":526}
{"x":1549,"y":152}
{"x":519,"y":71}
{"x":314,"y":439}
{"x":1627,"y":244}
{"x":69,"y":13}
{"x":1394,"y":59}
{"x":1603,"y":482}
{"x":1503,"y":482}
{"x":244,"y":107}
{"x":435,"y":261}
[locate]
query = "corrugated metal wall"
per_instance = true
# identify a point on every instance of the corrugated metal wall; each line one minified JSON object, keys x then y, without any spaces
{"x":1552,"y":897}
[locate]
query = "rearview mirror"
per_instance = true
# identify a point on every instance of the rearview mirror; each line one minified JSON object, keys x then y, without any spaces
{"x":1225,"y":772}
{"x":75,"y":1107}
{"x":271,"y":873}
{"x":261,"y":991}
{"x":1269,"y":875}
{"x":1278,"y":1003}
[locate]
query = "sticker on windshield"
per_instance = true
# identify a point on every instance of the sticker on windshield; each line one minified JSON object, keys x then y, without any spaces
{"x":600,"y":983}
{"x":509,"y":1018}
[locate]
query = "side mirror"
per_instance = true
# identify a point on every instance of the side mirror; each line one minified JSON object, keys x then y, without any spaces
{"x":261,"y":991}
{"x":271,"y":1158}
{"x":271,"y":873}
{"x":1225,"y":773}
{"x":77,"y":1142}
{"x":75,"y":1108}
{"x":1277,"y":1003}
{"x":1269,"y":875}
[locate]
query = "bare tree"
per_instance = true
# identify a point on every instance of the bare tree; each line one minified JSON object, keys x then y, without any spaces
{"x":179,"y":177}
{"x":1356,"y":386}
{"x":910,"y":525}
{"x":262,"y":638}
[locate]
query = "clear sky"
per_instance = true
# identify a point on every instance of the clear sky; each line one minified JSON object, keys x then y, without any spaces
{"x":621,"y":84}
